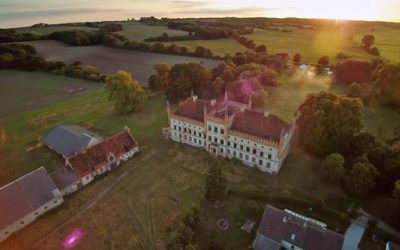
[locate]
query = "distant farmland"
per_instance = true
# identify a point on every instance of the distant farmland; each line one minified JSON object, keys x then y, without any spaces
{"x":22,"y":90}
{"x":109,"y":60}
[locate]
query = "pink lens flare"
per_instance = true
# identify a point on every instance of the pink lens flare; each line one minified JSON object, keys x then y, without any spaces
{"x":73,"y":238}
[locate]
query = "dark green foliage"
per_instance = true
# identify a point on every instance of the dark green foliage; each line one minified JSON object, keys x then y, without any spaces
{"x":77,"y":37}
{"x":111,"y":27}
{"x":374,"y":51}
{"x":367,"y":41}
{"x":388,"y":84}
{"x":362,"y":178}
{"x":261,"y":49}
{"x":327,"y":123}
{"x":215,"y":189}
{"x":160,"y":80}
{"x":353,"y":71}
{"x":333,"y":167}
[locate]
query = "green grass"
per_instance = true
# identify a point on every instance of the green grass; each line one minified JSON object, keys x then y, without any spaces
{"x":168,"y":179}
{"x":52,"y":28}
{"x":138,"y":31}
{"x":386,"y":40}
{"x":311,"y":44}
{"x":23,"y":90}
{"x":218,"y":47}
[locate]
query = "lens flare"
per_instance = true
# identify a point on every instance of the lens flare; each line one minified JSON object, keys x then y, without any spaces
{"x":73,"y":239}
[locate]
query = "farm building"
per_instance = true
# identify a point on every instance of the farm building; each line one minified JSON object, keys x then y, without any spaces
{"x":103,"y":156}
{"x":67,"y":140}
{"x":66,"y":180}
{"x":233,"y":130}
{"x":25,"y":199}
{"x":284,"y":229}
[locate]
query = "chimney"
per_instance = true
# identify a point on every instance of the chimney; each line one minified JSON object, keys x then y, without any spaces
{"x":266,"y":114}
{"x":194,"y":98}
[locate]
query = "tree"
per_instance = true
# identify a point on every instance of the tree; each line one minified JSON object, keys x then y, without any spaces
{"x":125,"y":92}
{"x":355,"y":90}
{"x":333,"y":167}
{"x":215,"y":184}
{"x":297,"y":58}
{"x":160,"y":80}
{"x":374,"y":51}
{"x":351,"y":71}
{"x":396,"y":190}
{"x":388,"y":84}
{"x":367,"y":41}
{"x":327,"y":123}
{"x":362,"y":178}
{"x":261,"y":49}
{"x":323,"y":61}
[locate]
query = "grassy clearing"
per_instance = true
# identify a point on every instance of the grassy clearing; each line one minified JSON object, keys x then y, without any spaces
{"x":168,"y":180}
{"x":138,"y":31}
{"x":311,"y":44}
{"x":22,"y":90}
{"x":218,"y":47}
{"x":52,"y":28}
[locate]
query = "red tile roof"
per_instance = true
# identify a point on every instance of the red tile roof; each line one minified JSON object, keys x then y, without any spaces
{"x":192,"y":109}
{"x":96,"y":156}
{"x":255,"y":123}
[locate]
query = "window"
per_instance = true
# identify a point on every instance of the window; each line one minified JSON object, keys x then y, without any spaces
{"x":240,"y":155}
{"x":87,"y":177}
{"x":234,"y":145}
{"x":269,"y":156}
{"x":36,"y":213}
{"x":215,"y":140}
{"x":184,"y":130}
{"x":253,"y":160}
{"x":175,"y":127}
{"x":195,"y":141}
{"x":241,"y":147}
{"x":247,"y":149}
{"x":22,"y":222}
{"x":209,"y":128}
{"x":254,"y":151}
{"x":190,"y":131}
{"x":247,"y":157}
{"x":209,"y":138}
{"x":55,"y":201}
{"x":261,"y":153}
{"x":179,"y":128}
{"x":268,"y":164}
{"x":6,"y":232}
{"x":190,"y":138}
{"x":194,"y":132}
{"x":45,"y":207}
{"x":222,"y":142}
{"x":229,"y":143}
{"x":234,"y":153}
{"x":222,"y":130}
{"x":260,"y":162}
{"x":228,"y":151}
{"x":222,"y":150}
{"x":215,"y":129}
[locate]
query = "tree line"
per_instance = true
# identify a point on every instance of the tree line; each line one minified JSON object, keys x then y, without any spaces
{"x":24,"y":57}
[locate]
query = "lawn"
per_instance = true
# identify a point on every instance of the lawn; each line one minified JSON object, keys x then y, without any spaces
{"x":167,"y":180}
{"x":387,"y":40}
{"x":23,"y":90}
{"x":138,"y":31}
{"x":218,"y":47}
{"x":52,"y":28}
{"x":311,"y":44}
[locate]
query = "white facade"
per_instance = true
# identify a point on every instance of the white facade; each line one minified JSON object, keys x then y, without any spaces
{"x":215,"y":136}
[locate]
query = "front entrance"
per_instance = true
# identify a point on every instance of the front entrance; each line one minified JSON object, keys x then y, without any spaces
{"x":213,"y":149}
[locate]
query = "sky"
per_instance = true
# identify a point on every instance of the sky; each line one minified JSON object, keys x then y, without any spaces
{"x":17,"y":13}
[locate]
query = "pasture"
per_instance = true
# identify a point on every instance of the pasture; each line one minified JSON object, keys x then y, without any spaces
{"x":52,"y":28}
{"x":138,"y":31}
{"x":110,"y":60}
{"x":22,"y":90}
{"x":163,"y":181}
{"x":311,"y":44}
{"x":387,"y":40}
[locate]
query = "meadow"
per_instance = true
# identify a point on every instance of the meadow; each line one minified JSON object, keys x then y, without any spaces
{"x":52,"y":28}
{"x":138,"y":31}
{"x":161,"y":183}
{"x":110,"y":60}
{"x":22,"y":90}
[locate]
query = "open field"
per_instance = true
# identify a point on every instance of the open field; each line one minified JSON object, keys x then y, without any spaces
{"x":311,"y":44}
{"x":52,"y":28}
{"x":218,"y":47}
{"x":386,"y":40}
{"x":22,"y":90}
{"x":167,"y":178}
{"x":109,"y":60}
{"x":138,"y":31}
